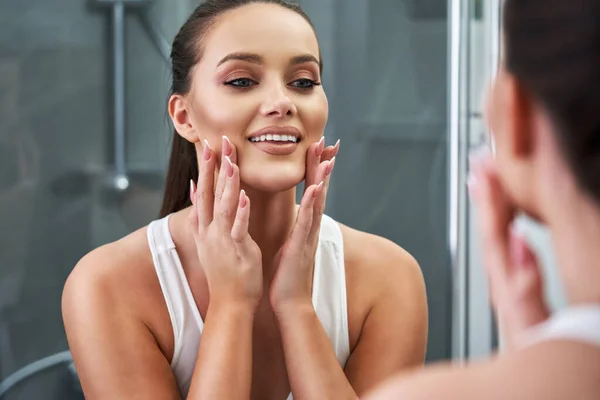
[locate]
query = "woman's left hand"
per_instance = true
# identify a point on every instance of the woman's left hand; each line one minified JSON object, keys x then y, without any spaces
{"x":294,"y":263}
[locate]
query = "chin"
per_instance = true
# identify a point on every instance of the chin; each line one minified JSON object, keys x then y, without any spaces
{"x":272,"y":179}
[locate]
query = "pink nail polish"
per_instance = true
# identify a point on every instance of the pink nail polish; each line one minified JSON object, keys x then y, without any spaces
{"x":330,"y":166}
{"x":320,"y":147}
{"x":207,"y":150}
{"x":227,"y":146}
{"x":318,"y":189}
{"x":242,"y":202}
{"x":229,"y":167}
{"x":192,"y":190}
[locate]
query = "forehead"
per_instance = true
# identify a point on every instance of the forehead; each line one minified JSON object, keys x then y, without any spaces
{"x":265,"y":29}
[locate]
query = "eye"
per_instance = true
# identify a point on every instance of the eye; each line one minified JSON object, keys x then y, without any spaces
{"x":241,"y":82}
{"x":305,"y":83}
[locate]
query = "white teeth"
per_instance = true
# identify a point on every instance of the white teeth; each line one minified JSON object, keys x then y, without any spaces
{"x":274,"y":138}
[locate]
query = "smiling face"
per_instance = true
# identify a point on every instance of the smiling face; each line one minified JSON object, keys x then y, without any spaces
{"x":258,"y":82}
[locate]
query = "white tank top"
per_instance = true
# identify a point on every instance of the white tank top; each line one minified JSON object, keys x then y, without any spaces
{"x":576,"y":323}
{"x":328,"y":298}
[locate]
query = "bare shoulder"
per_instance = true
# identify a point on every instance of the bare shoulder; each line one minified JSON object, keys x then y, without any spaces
{"x":551,"y":370}
{"x":385,"y":286}
{"x":116,"y":273}
{"x":108,"y":267}
{"x":380,"y":261}
{"x":112,"y":299}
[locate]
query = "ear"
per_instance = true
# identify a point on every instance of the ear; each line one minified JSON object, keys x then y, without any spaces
{"x":520,"y":118}
{"x":178,"y":110}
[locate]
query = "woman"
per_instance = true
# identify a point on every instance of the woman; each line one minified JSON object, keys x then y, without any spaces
{"x":255,"y":297}
{"x":544,"y":111}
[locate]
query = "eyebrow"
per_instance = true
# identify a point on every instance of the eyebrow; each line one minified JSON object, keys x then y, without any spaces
{"x":257,"y":59}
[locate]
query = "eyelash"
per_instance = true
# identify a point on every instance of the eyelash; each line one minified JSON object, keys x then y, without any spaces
{"x":310,"y":81}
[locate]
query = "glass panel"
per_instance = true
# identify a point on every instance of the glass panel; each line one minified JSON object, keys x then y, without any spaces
{"x":57,"y":201}
{"x":386,"y":76}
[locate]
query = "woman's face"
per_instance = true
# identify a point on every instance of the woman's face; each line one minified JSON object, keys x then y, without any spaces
{"x":256,"y":84}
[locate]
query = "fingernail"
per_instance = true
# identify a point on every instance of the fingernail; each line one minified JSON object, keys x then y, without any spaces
{"x":337,"y":144}
{"x":243,"y":199}
{"x":227,"y":147}
{"x":192,"y":190}
{"x":330,"y":166}
{"x":229,"y":167}
{"x":318,"y":189}
{"x":207,"y":149}
{"x":320,"y":147}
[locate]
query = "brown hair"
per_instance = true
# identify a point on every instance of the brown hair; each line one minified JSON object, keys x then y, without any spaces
{"x":553,"y":49}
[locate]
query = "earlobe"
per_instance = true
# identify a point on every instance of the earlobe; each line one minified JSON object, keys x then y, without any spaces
{"x":181,"y":118}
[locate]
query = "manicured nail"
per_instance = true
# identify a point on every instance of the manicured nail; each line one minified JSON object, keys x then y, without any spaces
{"x":243,"y":199}
{"x":337,"y":144}
{"x":227,"y":146}
{"x":318,"y":189}
{"x":229,"y":167}
{"x":207,"y":150}
{"x":192,"y":190}
{"x":330,"y":166}
{"x":320,"y":147}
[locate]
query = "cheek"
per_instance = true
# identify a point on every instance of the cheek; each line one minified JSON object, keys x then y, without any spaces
{"x":314,"y":113}
{"x":216,"y":114}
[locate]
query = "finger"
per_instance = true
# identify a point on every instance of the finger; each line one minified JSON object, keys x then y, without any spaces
{"x":204,"y":193}
{"x":328,"y":153}
{"x":313,"y":159}
{"x":228,"y":205}
{"x":524,"y":304}
{"x":222,"y":178}
{"x":527,"y":275}
{"x":495,"y":215}
{"x":318,"y":175}
{"x":242,"y":219}
{"x":304,"y":219}
{"x":331,"y":151}
{"x":321,"y":201}
{"x":229,"y":149}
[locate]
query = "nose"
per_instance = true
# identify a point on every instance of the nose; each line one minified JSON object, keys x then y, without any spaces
{"x":278,"y":104}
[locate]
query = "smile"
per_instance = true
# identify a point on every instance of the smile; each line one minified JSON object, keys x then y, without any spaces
{"x":275,"y":138}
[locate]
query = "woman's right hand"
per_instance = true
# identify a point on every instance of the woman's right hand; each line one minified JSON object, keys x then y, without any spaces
{"x":219,"y":219}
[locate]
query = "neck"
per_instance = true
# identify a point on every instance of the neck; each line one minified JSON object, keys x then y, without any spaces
{"x":272,"y":217}
{"x":576,"y":236}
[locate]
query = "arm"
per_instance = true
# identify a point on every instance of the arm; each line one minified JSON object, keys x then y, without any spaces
{"x":551,"y":371}
{"x":117,"y":355}
{"x":393,"y":337}
{"x":224,"y":364}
